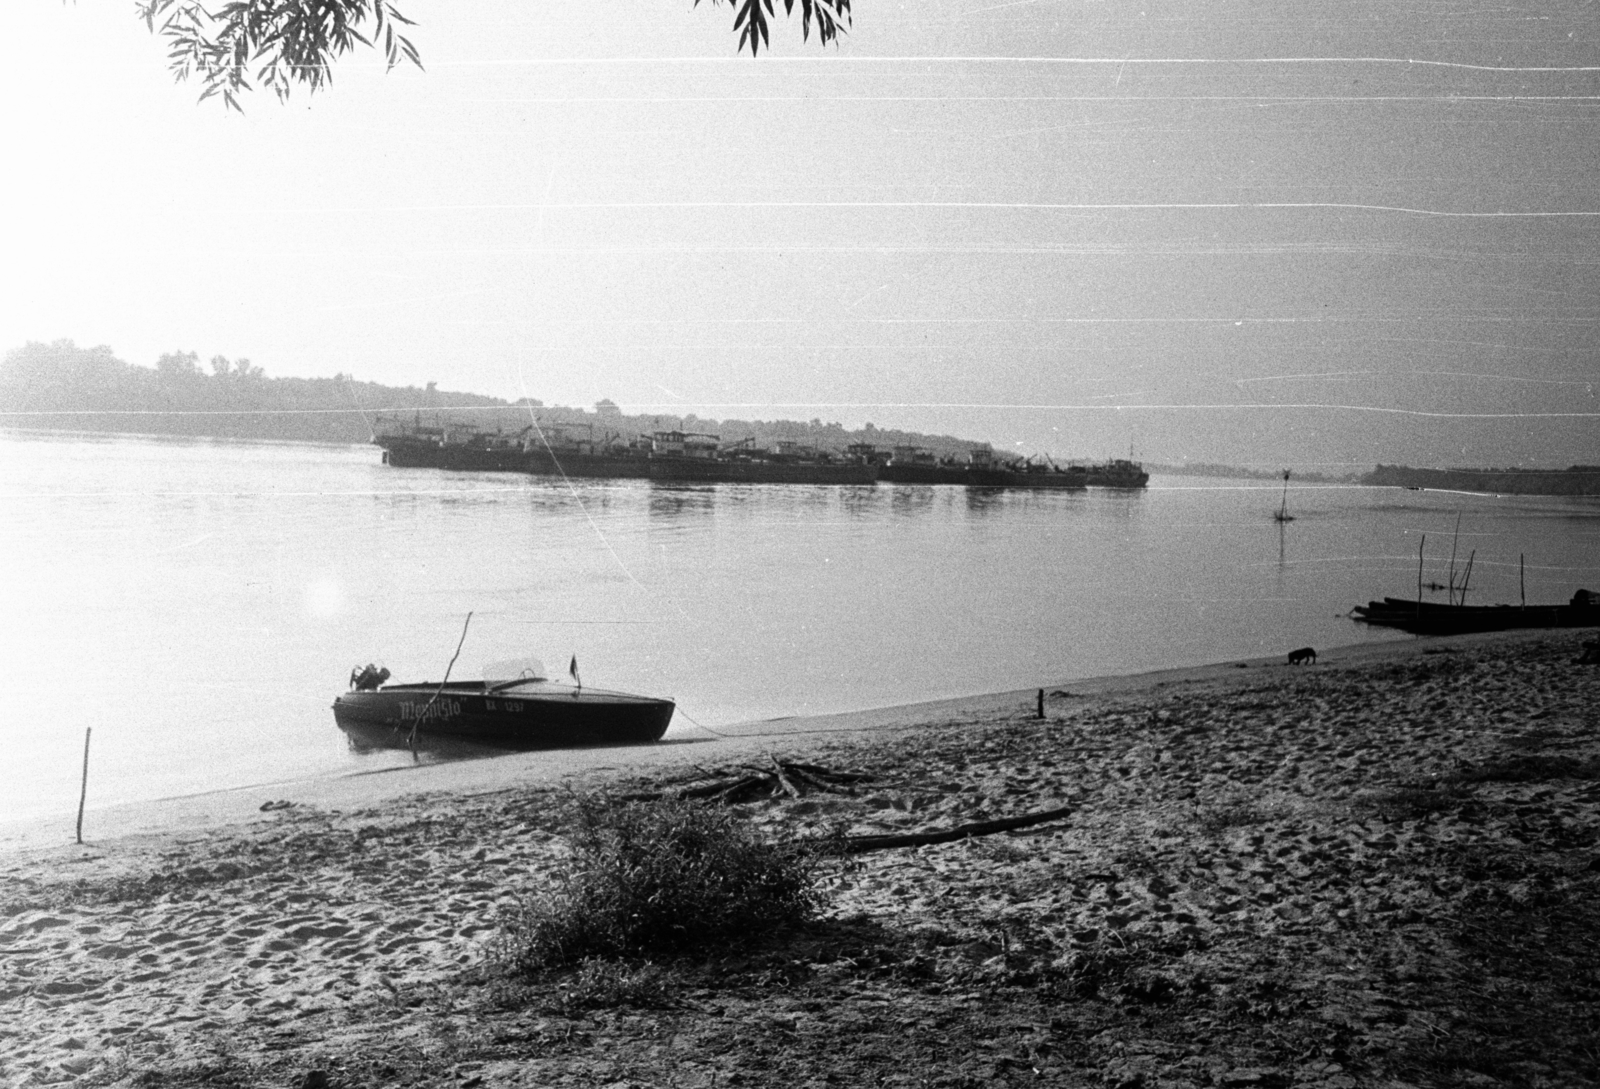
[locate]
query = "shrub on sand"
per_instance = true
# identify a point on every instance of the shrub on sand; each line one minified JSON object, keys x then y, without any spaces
{"x":596,"y":984}
{"x":653,"y":878}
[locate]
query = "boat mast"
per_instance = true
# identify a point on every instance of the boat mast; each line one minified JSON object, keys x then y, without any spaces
{"x":1283,"y":514}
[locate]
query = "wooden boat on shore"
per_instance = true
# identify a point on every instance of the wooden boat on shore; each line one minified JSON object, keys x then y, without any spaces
{"x":525,"y":711}
{"x":1434,"y":618}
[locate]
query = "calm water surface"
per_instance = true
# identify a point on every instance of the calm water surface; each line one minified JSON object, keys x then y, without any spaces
{"x":199,"y":604}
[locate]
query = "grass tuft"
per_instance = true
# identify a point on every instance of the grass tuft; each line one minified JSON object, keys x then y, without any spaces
{"x":598,"y":984}
{"x":654,"y":878}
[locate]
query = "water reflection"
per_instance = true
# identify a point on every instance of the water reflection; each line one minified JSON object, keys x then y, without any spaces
{"x":737,"y":496}
{"x":366,"y":739}
{"x":911,"y":498}
{"x":429,"y":748}
{"x":554,"y":496}
{"x":986,"y":500}
{"x":676,"y":500}
{"x":1119,"y":503}
{"x":1280,"y":584}
{"x":861,"y":499}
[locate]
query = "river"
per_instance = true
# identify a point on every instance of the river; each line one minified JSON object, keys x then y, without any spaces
{"x":198,"y":604}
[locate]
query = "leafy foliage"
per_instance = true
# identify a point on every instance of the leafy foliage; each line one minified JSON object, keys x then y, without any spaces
{"x":751,"y":16}
{"x":280,"y":43}
{"x":284,"y":41}
{"x":655,"y":878}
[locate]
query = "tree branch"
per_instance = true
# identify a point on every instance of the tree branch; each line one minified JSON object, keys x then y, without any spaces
{"x":287,"y":42}
{"x":855,"y":845}
{"x":296,"y":42}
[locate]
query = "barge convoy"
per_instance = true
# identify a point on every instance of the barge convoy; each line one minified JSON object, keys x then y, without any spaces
{"x":692,"y":458}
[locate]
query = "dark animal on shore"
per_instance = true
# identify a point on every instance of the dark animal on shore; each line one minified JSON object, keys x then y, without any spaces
{"x":1303,"y":656}
{"x":1591,"y":653}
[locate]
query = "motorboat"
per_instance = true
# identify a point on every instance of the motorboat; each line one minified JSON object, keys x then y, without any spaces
{"x":515,"y":706}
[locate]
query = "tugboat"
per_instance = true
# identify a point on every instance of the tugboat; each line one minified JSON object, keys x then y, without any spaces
{"x":1117,"y":473}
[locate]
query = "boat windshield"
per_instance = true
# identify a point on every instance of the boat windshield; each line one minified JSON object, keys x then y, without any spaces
{"x":515,"y":669}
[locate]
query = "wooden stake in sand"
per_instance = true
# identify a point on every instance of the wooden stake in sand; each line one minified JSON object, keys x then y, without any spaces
{"x":83,"y":793}
{"x":1420,"y":547}
{"x":1453,"y":541}
{"x":1040,"y":712}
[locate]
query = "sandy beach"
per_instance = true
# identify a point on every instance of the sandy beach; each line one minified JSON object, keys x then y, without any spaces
{"x":1380,"y":869}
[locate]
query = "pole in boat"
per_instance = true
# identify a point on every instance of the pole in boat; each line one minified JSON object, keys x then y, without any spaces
{"x":411,"y":742}
{"x":83,"y":792}
{"x":1466,"y":576}
{"x":1522,"y":577}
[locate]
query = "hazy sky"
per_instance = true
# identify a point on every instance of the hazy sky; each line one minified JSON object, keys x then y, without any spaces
{"x":1316,"y":234}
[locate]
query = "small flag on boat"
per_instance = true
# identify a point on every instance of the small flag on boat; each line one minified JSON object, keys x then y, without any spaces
{"x":573,"y":669}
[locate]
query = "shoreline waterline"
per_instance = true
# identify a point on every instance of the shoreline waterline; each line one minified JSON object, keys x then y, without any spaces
{"x":1406,"y":827}
{"x":200,"y":606}
{"x":686,"y":745}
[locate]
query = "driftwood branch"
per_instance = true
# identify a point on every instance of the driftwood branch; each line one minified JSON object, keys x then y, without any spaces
{"x":747,"y":783}
{"x":854,"y":845}
{"x":783,"y":780}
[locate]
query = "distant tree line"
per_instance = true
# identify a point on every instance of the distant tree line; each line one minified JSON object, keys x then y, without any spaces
{"x":60,"y":386}
{"x":1237,"y":472}
{"x":1575,"y":480}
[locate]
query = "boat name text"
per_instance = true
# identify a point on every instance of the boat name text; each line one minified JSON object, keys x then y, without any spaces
{"x":440,"y":709}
